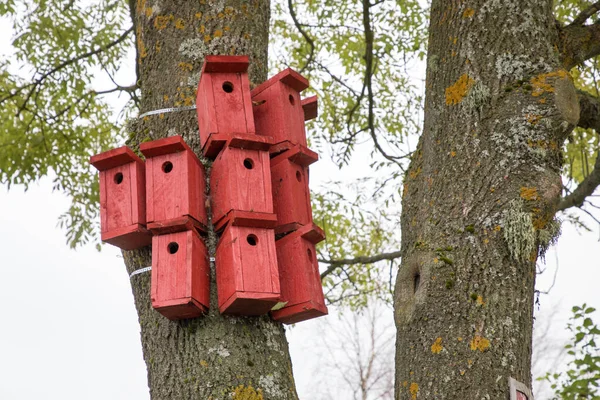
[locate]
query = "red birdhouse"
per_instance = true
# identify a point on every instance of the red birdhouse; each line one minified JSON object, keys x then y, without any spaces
{"x":310,"y":107}
{"x":180,"y":275}
{"x":300,"y":279}
{"x":247,"y":275}
{"x":223,"y":102}
{"x":291,"y":195}
{"x":279,"y":112}
{"x":240,"y":180}
{"x":175,"y":184}
{"x":122,"y":198}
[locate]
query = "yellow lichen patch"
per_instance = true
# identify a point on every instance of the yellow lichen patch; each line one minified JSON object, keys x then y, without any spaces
{"x":185,"y":66}
{"x":204,"y":363}
{"x":246,"y":36}
{"x":468,"y":13}
{"x":486,"y":241}
{"x":188,"y":101}
{"x":226,"y":28}
{"x":140,"y":45}
{"x":198,"y":15}
{"x":141,"y":5}
{"x":480,"y":300}
{"x":405,"y":383}
{"x":157,"y":46}
{"x":457,"y":92}
{"x":497,"y":228}
{"x":166,"y":97}
{"x":201,"y":29}
{"x":414,"y":173}
{"x":180,"y":24}
{"x":529,"y":193}
{"x":161,"y":116}
{"x":148,"y":12}
{"x":437,"y":347}
{"x":436,"y":260}
{"x":229,"y":10}
{"x":413,"y":390}
{"x":479,"y":343}
{"x":462,"y":372}
{"x":161,"y":21}
{"x":452,"y":153}
{"x":246,"y":393}
{"x":533,"y":119}
{"x":541,"y":85}
{"x":218,"y":33}
{"x":459,"y":339}
{"x":206,"y":38}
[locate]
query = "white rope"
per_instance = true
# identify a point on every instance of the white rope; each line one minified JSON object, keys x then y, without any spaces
{"x":139,"y":271}
{"x":167,"y":110}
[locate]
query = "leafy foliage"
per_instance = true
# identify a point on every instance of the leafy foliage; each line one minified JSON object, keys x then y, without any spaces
{"x":582,"y":379}
{"x":52,"y":119}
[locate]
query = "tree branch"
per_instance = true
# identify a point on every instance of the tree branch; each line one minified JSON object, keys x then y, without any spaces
{"x":585,"y":188}
{"x":587,"y":13}
{"x":335,"y":264}
{"x":589,"y":115}
{"x":308,"y":39}
{"x":589,"y":119}
{"x":579,"y":43}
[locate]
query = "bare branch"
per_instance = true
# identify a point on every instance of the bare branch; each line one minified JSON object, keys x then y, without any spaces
{"x":589,"y":116}
{"x":579,"y":43}
{"x":585,"y":188}
{"x":335,"y":264}
{"x":587,"y":13}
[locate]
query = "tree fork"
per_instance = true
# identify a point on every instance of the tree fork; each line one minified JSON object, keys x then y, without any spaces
{"x":481,"y":188}
{"x":216,"y":356}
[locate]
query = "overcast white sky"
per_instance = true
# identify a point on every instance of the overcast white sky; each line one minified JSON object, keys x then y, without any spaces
{"x":69,"y":328}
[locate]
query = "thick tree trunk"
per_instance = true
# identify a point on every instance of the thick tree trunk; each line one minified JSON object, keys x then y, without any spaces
{"x":479,"y":197}
{"x":213,"y":357}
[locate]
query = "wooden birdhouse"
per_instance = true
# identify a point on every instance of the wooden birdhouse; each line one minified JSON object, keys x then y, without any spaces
{"x":122,"y":198}
{"x":247,"y":274}
{"x":278,"y":112}
{"x":310,"y":105}
{"x":299,"y":276}
{"x":291,"y":195}
{"x":175,"y":183}
{"x":223,"y":101}
{"x":240,"y":180}
{"x":180,"y":275}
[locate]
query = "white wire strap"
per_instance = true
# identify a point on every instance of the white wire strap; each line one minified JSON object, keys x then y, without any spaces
{"x":167,"y":110}
{"x":139,"y":271}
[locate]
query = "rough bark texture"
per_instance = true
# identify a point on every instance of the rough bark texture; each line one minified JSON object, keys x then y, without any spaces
{"x":213,"y":357}
{"x":477,"y":204}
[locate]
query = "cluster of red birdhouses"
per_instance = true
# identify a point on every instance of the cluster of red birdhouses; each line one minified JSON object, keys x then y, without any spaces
{"x":260,"y":201}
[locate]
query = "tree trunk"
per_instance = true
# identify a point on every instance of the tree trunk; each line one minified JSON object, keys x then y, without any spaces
{"x":479,"y":198}
{"x":215,"y":356}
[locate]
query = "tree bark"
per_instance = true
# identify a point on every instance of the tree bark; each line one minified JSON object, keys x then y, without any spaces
{"x":215,"y":356}
{"x":478,"y":202}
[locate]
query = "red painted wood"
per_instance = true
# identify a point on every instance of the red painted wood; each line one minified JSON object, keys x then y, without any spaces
{"x":122,"y":198}
{"x":310,"y":106}
{"x":216,"y":142}
{"x":291,"y":195}
{"x":247,"y":274}
{"x":223,"y":100}
{"x":248,"y":219}
{"x":175,"y":186}
{"x":240,"y":180}
{"x":300,"y":278}
{"x":279,"y":111}
{"x":296,"y":153}
{"x":180,"y":275}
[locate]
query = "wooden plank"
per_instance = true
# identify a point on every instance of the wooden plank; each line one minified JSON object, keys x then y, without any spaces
{"x":217,"y":141}
{"x":291,"y":194}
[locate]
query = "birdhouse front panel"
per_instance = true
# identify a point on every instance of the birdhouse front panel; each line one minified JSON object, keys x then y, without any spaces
{"x":291,"y":195}
{"x":180,"y":275}
{"x":175,"y":185}
{"x":240,"y":180}
{"x":278,"y":110}
{"x":223,"y":101}
{"x":300,"y":279}
{"x":122,"y":198}
{"x":247,"y":274}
